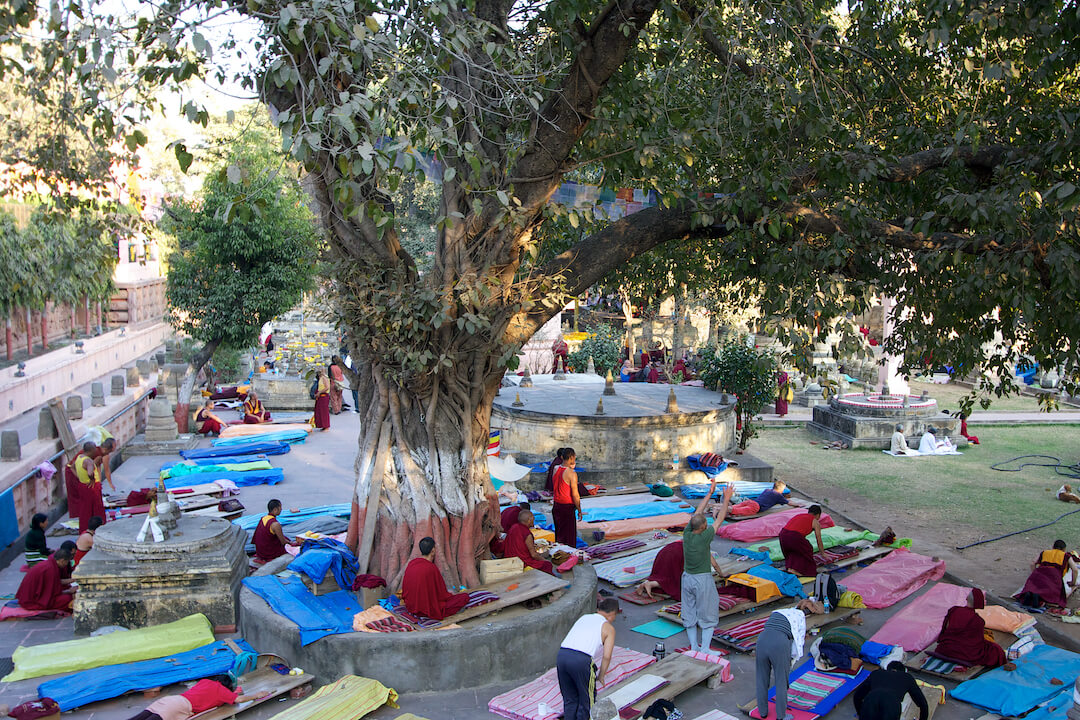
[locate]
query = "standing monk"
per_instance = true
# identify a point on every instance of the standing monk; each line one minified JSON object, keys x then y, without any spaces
{"x":559,"y":349}
{"x":519,"y":543}
{"x":71,"y":480}
{"x":89,"y":476}
{"x":322,"y":402}
{"x":798,"y":554}
{"x":43,"y":588}
{"x":785,"y":393}
{"x":700,"y":601}
{"x":423,"y":589}
{"x":254,"y":412}
{"x":269,"y":538}
{"x":566,"y":503}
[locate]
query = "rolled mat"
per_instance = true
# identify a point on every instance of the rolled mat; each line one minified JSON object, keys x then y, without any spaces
{"x":242,"y":479}
{"x":118,"y":647}
{"x":350,"y":697}
{"x":262,"y":447}
{"x":110,"y":681}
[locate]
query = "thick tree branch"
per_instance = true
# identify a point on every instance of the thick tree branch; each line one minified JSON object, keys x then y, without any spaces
{"x":719,"y":48}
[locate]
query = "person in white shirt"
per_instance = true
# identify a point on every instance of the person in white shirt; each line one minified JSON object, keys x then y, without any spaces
{"x":898,"y":445}
{"x":931,"y":445}
{"x":780,"y":642}
{"x":591,"y":638}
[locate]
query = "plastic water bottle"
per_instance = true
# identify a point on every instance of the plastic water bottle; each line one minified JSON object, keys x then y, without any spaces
{"x":828,"y":606}
{"x":674,"y":462}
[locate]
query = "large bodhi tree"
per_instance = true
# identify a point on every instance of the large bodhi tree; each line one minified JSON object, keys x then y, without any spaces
{"x":924,"y":150}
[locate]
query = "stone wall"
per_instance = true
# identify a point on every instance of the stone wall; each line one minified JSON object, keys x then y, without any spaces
{"x":138,"y":302}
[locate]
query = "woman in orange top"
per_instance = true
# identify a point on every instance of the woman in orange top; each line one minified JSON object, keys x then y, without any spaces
{"x":798,"y":554}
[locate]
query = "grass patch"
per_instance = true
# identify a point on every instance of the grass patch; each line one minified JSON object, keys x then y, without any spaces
{"x":948,"y":398}
{"x":946,"y":489}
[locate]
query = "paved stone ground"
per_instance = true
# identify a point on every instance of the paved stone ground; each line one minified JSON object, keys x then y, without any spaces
{"x":320,"y":472}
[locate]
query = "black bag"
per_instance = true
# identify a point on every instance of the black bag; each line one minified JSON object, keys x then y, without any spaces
{"x":314,"y":389}
{"x":825,"y":586}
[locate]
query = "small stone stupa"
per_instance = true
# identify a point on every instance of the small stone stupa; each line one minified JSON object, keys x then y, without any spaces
{"x":560,"y":373}
{"x":609,"y":384}
{"x":161,"y":436}
{"x":526,"y":379}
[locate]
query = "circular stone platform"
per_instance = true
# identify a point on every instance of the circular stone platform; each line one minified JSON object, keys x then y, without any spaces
{"x":635,"y":432}
{"x":878,"y":405}
{"x":513,"y":646}
{"x":198,"y":569}
{"x":868,"y":420}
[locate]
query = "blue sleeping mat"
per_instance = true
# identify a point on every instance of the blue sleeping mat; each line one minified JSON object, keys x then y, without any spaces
{"x":249,"y":522}
{"x":629,"y":512}
{"x":745,"y":488}
{"x":316,"y":616}
{"x":285,"y":436}
{"x":110,"y":681}
{"x":1016,"y":692}
{"x":255,"y":448}
{"x":222,"y":460}
{"x":245,"y":478}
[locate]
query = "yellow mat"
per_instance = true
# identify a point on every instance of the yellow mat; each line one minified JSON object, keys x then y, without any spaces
{"x":349,"y":698}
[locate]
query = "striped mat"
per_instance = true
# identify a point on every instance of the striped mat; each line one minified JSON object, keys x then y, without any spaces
{"x":389,"y":624}
{"x":605,"y":550}
{"x":941,"y":667}
{"x":745,"y":636}
{"x":476,"y":597}
{"x":836,"y":554}
{"x":811,"y":688}
{"x":727,"y":602}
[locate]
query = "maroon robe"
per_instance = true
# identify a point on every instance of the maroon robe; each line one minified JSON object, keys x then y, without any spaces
{"x":1047,"y":581}
{"x":92,"y":504}
{"x":267,"y":545}
{"x":509,"y":517}
{"x":207,"y":424}
{"x":962,"y":639}
{"x":41,"y":589}
{"x":667,"y":569}
{"x":74,"y":491}
{"x":798,"y":553}
{"x":424,"y":592}
{"x":322,"y":411}
{"x":515,"y":546}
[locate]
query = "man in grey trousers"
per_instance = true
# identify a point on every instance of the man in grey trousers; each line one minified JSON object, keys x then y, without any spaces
{"x":700,"y":601}
{"x":780,"y":642}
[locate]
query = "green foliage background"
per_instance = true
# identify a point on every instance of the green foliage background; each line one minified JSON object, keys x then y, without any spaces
{"x":604,"y":345}
{"x":744,"y":372}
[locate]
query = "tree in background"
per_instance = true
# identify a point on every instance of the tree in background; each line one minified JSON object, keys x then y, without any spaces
{"x":739,"y":369}
{"x":246,"y":252}
{"x":604,"y":345}
{"x":16,"y":272}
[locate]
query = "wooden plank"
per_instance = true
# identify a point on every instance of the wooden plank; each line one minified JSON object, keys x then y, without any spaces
{"x":681,"y":672}
{"x":262,"y":680}
{"x":63,"y":427}
{"x":530,"y":584}
{"x":910,"y":711}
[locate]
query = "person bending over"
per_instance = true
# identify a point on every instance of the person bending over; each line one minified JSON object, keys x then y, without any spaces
{"x":881,"y":697}
{"x":798,"y":554}
{"x":590,"y":639}
{"x":666,"y":575}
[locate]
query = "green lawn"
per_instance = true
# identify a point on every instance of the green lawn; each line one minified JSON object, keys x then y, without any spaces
{"x":948,"y":397}
{"x":947,"y":489}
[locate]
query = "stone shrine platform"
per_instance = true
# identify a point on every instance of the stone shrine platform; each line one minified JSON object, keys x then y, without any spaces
{"x":863,"y":420}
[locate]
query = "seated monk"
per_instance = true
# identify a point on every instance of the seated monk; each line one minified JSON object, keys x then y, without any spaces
{"x":1046,"y":584}
{"x":269,"y":538}
{"x":666,"y":575}
{"x":85,"y":543}
{"x":423,"y":589}
{"x":209,"y":423}
{"x":43,"y":586}
{"x":254,"y":412}
{"x":509,"y":516}
{"x":519,"y":543}
{"x":962,"y":638}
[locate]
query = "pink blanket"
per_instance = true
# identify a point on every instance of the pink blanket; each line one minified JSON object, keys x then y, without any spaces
{"x":917,"y":626}
{"x":522,"y":703}
{"x":894,"y":577}
{"x":765,"y":527}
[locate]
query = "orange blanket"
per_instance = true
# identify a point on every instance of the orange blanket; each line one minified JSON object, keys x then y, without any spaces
{"x":615,"y":529}
{"x":252,"y":430}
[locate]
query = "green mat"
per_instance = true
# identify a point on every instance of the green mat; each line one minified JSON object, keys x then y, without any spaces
{"x":112,"y":649}
{"x":659,"y":629}
{"x":830,"y":537}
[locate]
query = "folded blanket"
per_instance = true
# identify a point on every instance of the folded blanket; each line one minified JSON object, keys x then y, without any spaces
{"x":604,"y":550}
{"x":894,"y":577}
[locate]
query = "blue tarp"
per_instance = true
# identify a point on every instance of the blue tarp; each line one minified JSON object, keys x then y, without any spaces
{"x":1057,"y":709}
{"x":223,"y":460}
{"x":318,"y":557}
{"x":694,"y":463}
{"x":542,"y":467}
{"x":248,"y":522}
{"x":256,"y":448}
{"x":788,"y":583}
{"x":242,"y":478}
{"x":759,"y":555}
{"x":743,"y":488}
{"x":316,"y":616}
{"x":1016,"y":692}
{"x":629,"y":512}
{"x":285,"y":436}
{"x":110,"y":681}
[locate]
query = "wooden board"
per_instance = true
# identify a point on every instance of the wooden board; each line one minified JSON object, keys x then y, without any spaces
{"x":63,"y":427}
{"x":910,"y":711}
{"x":1003,"y":639}
{"x":531,"y":584}
{"x":870,"y":553}
{"x":812,"y":621}
{"x":681,"y":672}
{"x":261,"y":680}
{"x":215,"y":513}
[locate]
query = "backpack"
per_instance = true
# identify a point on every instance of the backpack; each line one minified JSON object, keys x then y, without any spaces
{"x":825,"y":586}
{"x":314,"y":389}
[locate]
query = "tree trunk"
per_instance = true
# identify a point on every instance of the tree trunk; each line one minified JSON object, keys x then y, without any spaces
{"x":43,"y":316}
{"x":72,"y":324}
{"x":187,"y":387}
{"x":424,"y":455}
{"x":9,"y":337}
{"x":678,"y":329}
{"x":29,"y":334}
{"x":86,"y":316}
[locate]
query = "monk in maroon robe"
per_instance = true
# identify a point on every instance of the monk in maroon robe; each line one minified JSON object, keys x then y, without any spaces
{"x":509,"y":516}
{"x":519,"y":543}
{"x":962,"y":639}
{"x":71,"y":481}
{"x":1046,"y":584}
{"x":269,"y":538}
{"x":43,"y":588}
{"x":209,"y":423}
{"x":666,"y":575}
{"x":423,"y":589}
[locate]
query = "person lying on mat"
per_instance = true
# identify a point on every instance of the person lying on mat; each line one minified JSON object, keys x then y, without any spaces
{"x":898,"y":444}
{"x":780,"y":642}
{"x":204,"y":695}
{"x":798,"y":554}
{"x":666,"y":575}
{"x":43,"y":586}
{"x":209,"y":423}
{"x":962,"y":639}
{"x":591,"y":638}
{"x":1047,"y":584}
{"x":85,"y":543}
{"x":423,"y":589}
{"x":519,"y":543}
{"x":254,"y":412}
{"x":269,"y":538}
{"x":882,"y":695}
{"x":774,"y":497}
